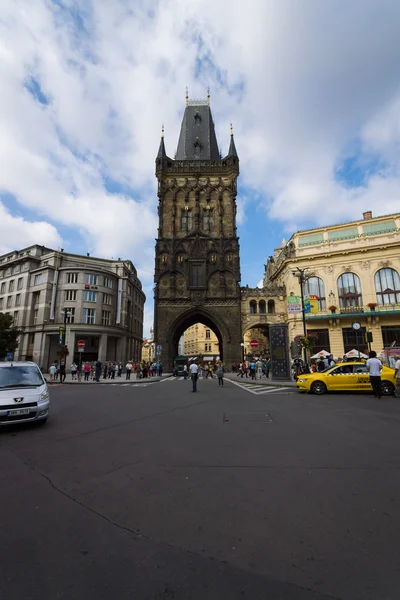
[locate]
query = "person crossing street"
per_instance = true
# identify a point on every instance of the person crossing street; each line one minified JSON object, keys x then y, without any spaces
{"x":194,"y":370}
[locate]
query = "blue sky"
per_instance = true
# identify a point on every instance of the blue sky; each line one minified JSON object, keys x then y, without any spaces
{"x":312,"y":90}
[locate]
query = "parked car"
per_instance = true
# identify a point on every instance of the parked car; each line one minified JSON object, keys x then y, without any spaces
{"x":24,"y":395}
{"x":347,"y":377}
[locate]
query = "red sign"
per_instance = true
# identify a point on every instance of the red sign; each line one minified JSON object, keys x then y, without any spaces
{"x":254,"y":343}
{"x":81,"y":343}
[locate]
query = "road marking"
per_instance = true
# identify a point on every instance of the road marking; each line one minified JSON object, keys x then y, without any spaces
{"x":252,"y":389}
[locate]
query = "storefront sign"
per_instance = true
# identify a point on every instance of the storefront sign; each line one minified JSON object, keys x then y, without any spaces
{"x":294,"y":304}
{"x":307,"y":305}
{"x":314,"y":306}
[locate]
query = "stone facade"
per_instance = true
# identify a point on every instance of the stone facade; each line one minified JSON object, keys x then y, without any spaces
{"x":197,"y":270}
{"x":103,"y":299}
{"x":351,"y":267}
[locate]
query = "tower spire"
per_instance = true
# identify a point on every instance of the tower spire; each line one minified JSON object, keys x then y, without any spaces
{"x":161,"y":149}
{"x":232,"y":148}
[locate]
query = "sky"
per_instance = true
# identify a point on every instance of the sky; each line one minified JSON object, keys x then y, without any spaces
{"x":312,"y":89}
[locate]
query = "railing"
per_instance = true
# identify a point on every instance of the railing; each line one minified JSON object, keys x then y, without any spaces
{"x":355,"y":310}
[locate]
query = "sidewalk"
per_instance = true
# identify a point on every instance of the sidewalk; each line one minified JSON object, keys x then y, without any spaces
{"x":119,"y":380}
{"x":264,"y":381}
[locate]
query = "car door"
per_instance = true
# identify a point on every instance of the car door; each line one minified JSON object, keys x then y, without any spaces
{"x":340,"y":378}
{"x":361,"y":377}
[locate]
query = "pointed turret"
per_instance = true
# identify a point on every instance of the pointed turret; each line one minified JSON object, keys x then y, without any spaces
{"x":161,"y":150}
{"x":232,"y":147}
{"x":197,"y":140}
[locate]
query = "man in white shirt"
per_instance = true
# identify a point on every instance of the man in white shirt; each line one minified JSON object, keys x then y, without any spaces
{"x":194,"y":371}
{"x":374,"y":367}
{"x":397,"y":375}
{"x":128,"y":369}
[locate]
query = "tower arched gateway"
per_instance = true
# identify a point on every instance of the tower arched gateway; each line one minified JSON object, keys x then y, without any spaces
{"x":197,"y":270}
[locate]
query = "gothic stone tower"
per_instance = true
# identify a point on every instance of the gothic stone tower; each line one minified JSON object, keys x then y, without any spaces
{"x":197,"y":270}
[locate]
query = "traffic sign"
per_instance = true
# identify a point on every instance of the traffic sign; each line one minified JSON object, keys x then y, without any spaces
{"x":81,"y":344}
{"x":254,"y":344}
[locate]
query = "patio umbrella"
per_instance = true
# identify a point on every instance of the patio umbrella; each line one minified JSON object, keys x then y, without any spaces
{"x":354,"y":353}
{"x":322,"y":354}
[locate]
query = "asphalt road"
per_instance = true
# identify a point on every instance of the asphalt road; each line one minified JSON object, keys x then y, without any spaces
{"x":150,"y":493}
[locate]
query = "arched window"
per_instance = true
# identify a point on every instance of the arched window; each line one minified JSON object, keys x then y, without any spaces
{"x":316,"y":287}
{"x":262,"y":307}
{"x":349,"y":288}
{"x":271,"y":307}
{"x":253,"y":307}
{"x":387,"y":285}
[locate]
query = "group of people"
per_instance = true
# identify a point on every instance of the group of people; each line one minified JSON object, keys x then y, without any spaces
{"x":205,"y":370}
{"x":254,"y":368}
{"x":94,"y":371}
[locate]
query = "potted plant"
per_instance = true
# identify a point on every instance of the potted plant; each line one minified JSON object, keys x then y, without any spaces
{"x":372,"y":305}
{"x":333,"y":308}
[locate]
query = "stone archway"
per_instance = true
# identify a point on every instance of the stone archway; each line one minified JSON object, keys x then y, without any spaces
{"x":191,"y":317}
{"x":260,"y":331}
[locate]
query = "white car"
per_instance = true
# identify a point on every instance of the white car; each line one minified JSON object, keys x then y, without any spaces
{"x":24,"y":395}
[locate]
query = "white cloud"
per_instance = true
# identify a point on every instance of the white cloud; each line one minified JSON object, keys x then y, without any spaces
{"x":16,"y":232}
{"x":303,"y":84}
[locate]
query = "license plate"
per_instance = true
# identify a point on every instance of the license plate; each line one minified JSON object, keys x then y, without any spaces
{"x":19,"y":411}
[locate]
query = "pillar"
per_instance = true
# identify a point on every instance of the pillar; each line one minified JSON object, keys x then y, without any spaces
{"x":71,"y":343}
{"x":103,"y":347}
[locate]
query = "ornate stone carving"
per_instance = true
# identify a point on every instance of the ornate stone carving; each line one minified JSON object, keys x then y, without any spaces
{"x":365,"y":264}
{"x":384,"y":263}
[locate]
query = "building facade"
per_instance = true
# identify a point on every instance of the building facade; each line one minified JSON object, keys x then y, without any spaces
{"x":200,"y":340}
{"x":197,"y":270}
{"x":101,"y":301}
{"x":352,"y":273}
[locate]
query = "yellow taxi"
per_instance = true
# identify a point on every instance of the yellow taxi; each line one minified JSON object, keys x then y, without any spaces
{"x":346,"y":377}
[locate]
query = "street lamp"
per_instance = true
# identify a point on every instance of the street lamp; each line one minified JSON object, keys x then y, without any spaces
{"x":303,"y":275}
{"x":67,"y":313}
{"x":242,"y":345}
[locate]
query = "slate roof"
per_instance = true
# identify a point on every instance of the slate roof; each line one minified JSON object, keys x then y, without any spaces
{"x":197,"y":140}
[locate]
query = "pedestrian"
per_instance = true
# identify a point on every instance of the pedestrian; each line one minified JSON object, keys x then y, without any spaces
{"x":234,"y":367}
{"x":98,"y":368}
{"x":244,"y":369}
{"x":209,"y":371}
{"x":259,"y":369}
{"x":194,"y":370}
{"x":119,"y":369}
{"x":52,"y":372}
{"x":267,"y":367}
{"x":110,"y":370}
{"x":86,"y":370}
{"x":239,"y":370}
{"x":128,"y":368}
{"x":321,"y":366}
{"x":62,"y":372}
{"x":252,"y":366}
{"x":105,"y":370}
{"x":397,"y":375}
{"x":185,"y":372}
{"x":145,"y":370}
{"x":160,"y":369}
{"x":74,"y":369}
{"x":374,"y":367}
{"x":220,"y":373}
{"x":331,"y":361}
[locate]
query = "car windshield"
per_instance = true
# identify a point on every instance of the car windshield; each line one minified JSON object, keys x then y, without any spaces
{"x":20,"y":376}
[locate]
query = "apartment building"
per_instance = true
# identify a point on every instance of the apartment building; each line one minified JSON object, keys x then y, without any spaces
{"x":96,"y":300}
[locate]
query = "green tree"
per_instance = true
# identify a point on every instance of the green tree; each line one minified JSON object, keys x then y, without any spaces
{"x":8,"y":335}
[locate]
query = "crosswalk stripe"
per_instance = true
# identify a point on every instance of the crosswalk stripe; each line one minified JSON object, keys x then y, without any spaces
{"x":257,"y":390}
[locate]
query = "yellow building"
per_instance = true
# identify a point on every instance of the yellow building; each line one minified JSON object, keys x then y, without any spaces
{"x":261,"y":307}
{"x":351,"y":274}
{"x":148,"y":350}
{"x":199,"y":339}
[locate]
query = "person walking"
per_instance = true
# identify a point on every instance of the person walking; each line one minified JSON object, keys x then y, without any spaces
{"x":62,"y":372}
{"x":86,"y":370}
{"x":185,"y":372}
{"x":105,"y":370}
{"x":194,"y":370}
{"x":220,"y":373}
{"x":52,"y":372}
{"x":128,"y":369}
{"x":209,"y":371}
{"x":259,"y":369}
{"x":244,"y":369}
{"x":74,"y":369}
{"x":374,"y":367}
{"x":397,"y":375}
{"x":98,"y":367}
{"x":253,"y":369}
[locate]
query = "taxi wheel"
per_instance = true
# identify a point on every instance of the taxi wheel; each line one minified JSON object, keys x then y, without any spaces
{"x":387,"y":388}
{"x":318,"y":387}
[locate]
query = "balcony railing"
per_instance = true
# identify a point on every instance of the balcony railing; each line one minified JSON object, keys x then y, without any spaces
{"x":356,"y":310}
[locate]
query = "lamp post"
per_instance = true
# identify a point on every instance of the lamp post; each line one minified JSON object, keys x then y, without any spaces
{"x":242,"y":345}
{"x":303,"y":275}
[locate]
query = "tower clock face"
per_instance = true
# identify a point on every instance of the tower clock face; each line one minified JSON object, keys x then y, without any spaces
{"x":356,"y":326}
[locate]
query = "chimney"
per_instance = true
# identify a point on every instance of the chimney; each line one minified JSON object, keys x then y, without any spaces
{"x":367,"y":215}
